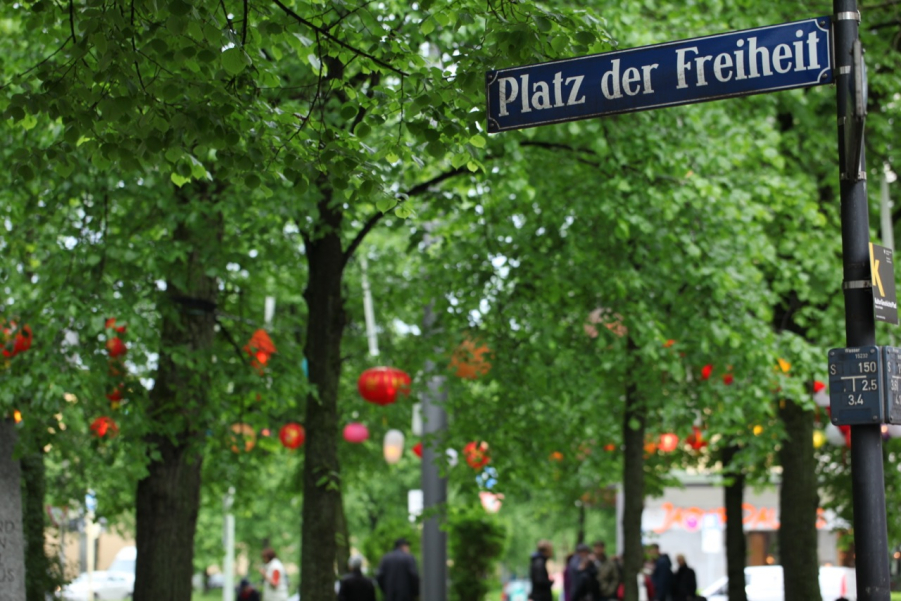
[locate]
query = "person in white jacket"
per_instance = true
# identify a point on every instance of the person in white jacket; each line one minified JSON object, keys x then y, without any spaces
{"x":275,"y":580}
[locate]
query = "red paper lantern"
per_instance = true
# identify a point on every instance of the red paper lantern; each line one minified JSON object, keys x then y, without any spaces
{"x":104,"y":425}
{"x":260,"y":348}
{"x":21,"y":342}
{"x":696,"y":439}
{"x":818,"y":387}
{"x":380,"y":385}
{"x":476,"y":455}
{"x":728,"y":379}
{"x":417,"y":449}
{"x":292,"y":435}
{"x":116,"y":348}
{"x":706,"y":371}
{"x":668,"y":442}
{"x":356,"y":433}
{"x":111,"y":325}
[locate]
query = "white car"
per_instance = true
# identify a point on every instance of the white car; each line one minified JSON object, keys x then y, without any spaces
{"x":765,"y":583}
{"x":104,"y":586}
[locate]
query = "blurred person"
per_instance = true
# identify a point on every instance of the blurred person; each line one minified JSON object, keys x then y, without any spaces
{"x":661,"y":574}
{"x":685,"y":584}
{"x":572,"y":568}
{"x":541,"y":581}
{"x":275,"y":580}
{"x":587,"y":587}
{"x":398,"y":576}
{"x":354,"y":586}
{"x":246,"y":592}
{"x":567,"y":579}
{"x":607,"y":573}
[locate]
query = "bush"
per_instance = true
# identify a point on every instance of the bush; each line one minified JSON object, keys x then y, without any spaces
{"x":476,"y":540}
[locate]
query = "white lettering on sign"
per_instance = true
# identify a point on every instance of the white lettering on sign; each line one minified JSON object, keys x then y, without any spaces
{"x":760,"y":62}
{"x":735,"y":64}
{"x":543,"y":96}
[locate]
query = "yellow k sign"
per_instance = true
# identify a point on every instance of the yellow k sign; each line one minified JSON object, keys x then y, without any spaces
{"x":874,"y":270}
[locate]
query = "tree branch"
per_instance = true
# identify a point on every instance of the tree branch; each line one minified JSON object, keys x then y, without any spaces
{"x":341,"y":43}
{"x":377,"y":216}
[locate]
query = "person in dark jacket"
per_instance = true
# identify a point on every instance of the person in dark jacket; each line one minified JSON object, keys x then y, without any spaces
{"x":541,"y":581}
{"x":587,"y":587}
{"x":246,"y":592}
{"x":397,"y":576}
{"x":354,"y":586}
{"x":685,"y":585}
{"x":662,"y":576}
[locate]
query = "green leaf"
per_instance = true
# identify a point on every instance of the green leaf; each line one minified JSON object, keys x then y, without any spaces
{"x":349,"y":111}
{"x":478,"y":141}
{"x":543,"y":24}
{"x":179,"y":180}
{"x":233,"y":61}
{"x":585,"y":38}
{"x":179,"y":8}
{"x":252,"y":181}
{"x":427,"y":26}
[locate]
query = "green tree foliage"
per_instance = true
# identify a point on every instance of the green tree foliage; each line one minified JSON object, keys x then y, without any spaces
{"x":476,"y":541}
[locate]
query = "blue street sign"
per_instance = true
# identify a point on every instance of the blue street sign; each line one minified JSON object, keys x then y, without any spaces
{"x":740,"y":63}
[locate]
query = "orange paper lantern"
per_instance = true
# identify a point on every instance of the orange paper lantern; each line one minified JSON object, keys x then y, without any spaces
{"x":260,"y":348}
{"x":469,"y":361}
{"x":668,"y":442}
{"x":417,"y":449}
{"x":246,"y":432}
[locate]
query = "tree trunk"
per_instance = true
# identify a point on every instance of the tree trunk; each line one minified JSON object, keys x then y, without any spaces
{"x":38,"y":580}
{"x":798,"y":501}
{"x":343,"y":539}
{"x":321,"y":479}
{"x":168,"y":497}
{"x":12,"y":543}
{"x":734,"y":493}
{"x":633,"y":487}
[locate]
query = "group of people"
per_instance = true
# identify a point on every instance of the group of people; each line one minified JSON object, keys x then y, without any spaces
{"x":397,"y":577}
{"x":591,"y":575}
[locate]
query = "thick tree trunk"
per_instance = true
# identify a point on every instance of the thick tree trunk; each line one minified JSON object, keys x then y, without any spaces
{"x":168,"y":497}
{"x":38,"y":582}
{"x":343,"y":538}
{"x":734,"y":494}
{"x":798,"y":501}
{"x":321,"y":479}
{"x":12,"y":542}
{"x":633,"y":488}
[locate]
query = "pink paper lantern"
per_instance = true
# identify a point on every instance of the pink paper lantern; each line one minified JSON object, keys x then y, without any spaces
{"x":355,"y":432}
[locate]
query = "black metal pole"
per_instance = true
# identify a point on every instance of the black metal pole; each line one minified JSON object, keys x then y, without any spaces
{"x":867,"y":476}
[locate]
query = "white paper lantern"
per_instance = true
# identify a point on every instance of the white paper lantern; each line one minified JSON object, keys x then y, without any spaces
{"x":834,"y":436}
{"x":452,"y":457}
{"x":393,"y":447}
{"x":821,"y":398}
{"x":893,"y":431}
{"x":417,"y":419}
